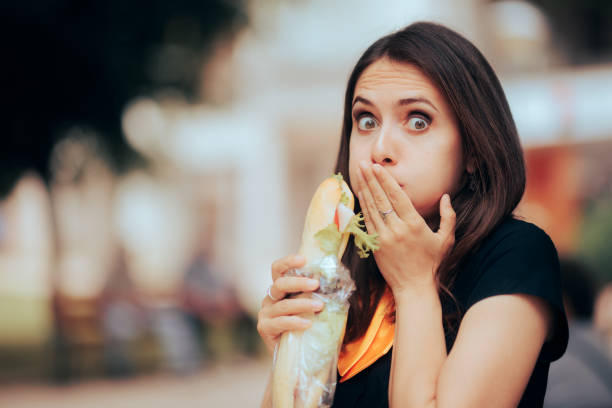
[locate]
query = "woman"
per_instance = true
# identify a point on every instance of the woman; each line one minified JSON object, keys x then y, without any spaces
{"x":470,"y":294}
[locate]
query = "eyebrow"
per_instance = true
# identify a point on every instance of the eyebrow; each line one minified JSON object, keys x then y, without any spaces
{"x":401,"y":102}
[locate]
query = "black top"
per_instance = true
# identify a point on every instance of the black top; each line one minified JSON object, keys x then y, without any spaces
{"x":517,"y":257}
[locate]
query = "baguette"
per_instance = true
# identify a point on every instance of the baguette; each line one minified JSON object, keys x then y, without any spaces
{"x":305,"y":361}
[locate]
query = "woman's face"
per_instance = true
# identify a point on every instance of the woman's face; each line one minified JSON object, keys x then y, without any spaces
{"x":402,"y":122}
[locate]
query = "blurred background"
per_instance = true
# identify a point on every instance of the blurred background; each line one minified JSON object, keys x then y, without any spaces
{"x":156,"y":157}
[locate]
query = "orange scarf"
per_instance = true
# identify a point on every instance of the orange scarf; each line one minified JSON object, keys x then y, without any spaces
{"x":375,"y":343}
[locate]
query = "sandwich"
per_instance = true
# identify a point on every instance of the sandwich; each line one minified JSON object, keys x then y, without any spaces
{"x":305,"y":362}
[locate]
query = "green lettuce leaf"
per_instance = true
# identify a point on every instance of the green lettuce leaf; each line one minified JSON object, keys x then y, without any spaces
{"x":363,"y":241}
{"x":329,"y":239}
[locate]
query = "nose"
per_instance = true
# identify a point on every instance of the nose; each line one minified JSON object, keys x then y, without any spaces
{"x":383,"y":151}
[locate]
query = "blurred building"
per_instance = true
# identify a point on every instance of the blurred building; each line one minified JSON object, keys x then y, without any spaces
{"x":270,"y":129}
{"x":231,"y":171}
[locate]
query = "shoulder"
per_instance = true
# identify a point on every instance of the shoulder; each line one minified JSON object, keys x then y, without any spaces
{"x":516,"y":235}
{"x":515,"y":247}
{"x":519,"y":258}
{"x":516,"y":255}
{"x":512,"y":226}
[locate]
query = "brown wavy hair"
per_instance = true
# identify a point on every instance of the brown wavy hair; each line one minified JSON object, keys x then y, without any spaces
{"x":489,"y":139}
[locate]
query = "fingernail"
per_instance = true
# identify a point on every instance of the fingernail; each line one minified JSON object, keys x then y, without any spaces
{"x":377,"y":167}
{"x":317,"y":304}
{"x":363,"y":164}
{"x":313,"y":283}
{"x":299,"y":259}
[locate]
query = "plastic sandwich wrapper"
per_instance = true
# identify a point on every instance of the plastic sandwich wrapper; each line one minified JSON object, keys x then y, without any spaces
{"x":306,"y":369}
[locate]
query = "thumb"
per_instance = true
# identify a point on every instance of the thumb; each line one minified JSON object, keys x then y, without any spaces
{"x":447,"y":218}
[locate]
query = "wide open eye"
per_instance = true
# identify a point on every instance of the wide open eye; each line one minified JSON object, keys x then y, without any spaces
{"x":418,"y":123}
{"x":366,"y":122}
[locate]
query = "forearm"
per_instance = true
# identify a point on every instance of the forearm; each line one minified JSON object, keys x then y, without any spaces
{"x":419,"y":349}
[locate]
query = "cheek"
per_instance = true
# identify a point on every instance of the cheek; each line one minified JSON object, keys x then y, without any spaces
{"x":448,"y":157}
{"x":441,"y":173}
{"x":458,"y":165}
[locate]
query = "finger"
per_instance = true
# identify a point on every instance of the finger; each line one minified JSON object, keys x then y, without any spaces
{"x":278,"y":325}
{"x":288,"y":307}
{"x":448,"y":218}
{"x":360,"y":182}
{"x":292,"y":284}
{"x":366,"y":215}
{"x":373,"y":221}
{"x":380,"y":199}
{"x":282,"y":265}
{"x":400,"y":202}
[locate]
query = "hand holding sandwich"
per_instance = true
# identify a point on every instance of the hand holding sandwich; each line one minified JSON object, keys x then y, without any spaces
{"x":279,"y":314}
{"x":306,"y":329}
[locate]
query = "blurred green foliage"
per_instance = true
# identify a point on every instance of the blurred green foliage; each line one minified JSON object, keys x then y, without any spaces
{"x":78,"y":63}
{"x":595,"y":240}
